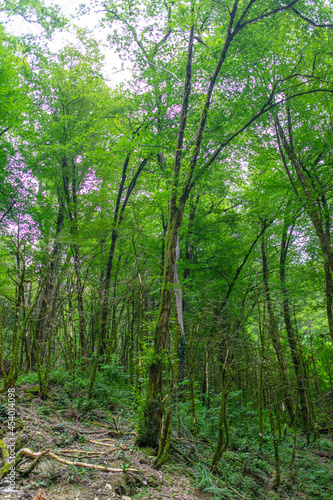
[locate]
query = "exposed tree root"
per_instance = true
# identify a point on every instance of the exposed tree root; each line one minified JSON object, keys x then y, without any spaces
{"x":33,"y":465}
{"x":104,"y":444}
{"x":83,"y":452}
{"x":38,"y":455}
{"x":106,"y":439}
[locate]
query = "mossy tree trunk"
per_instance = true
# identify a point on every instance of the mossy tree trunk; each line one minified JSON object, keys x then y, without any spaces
{"x":270,"y":404}
{"x":11,"y":379}
{"x":303,"y":397}
{"x":274,"y":333}
{"x":308,"y":196}
{"x":223,"y":427}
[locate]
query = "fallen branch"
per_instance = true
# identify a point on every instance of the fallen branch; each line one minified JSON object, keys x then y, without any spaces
{"x":118,"y":434}
{"x":93,"y":432}
{"x":82,"y":454}
{"x":107,"y":439}
{"x":180,"y":452}
{"x":33,"y":465}
{"x":324,"y":430}
{"x":104,"y":444}
{"x":63,"y":452}
{"x":38,"y":455}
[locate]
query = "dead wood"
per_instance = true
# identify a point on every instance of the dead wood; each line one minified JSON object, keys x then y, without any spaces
{"x":104,"y":444}
{"x":40,"y":495}
{"x":106,"y":439}
{"x":181,"y":453}
{"x":322,"y":453}
{"x":32,"y":466}
{"x":83,"y":452}
{"x":324,"y":430}
{"x":46,"y":453}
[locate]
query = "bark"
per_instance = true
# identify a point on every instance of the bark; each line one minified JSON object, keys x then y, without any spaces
{"x":79,"y":291}
{"x":117,"y":220}
{"x":277,"y":479}
{"x":241,"y":266}
{"x":13,"y":370}
{"x":306,"y":418}
{"x":312,"y":203}
{"x":102,"y":347}
{"x":274,"y":333}
{"x":181,"y":341}
{"x":189,"y":249}
{"x":106,"y":291}
{"x":72,"y":209}
{"x":206,"y":401}
{"x":153,"y":412}
{"x":47,"y":297}
{"x":223,"y":428}
{"x":190,"y":361}
{"x":261,"y":383}
{"x":309,"y":197}
{"x":322,"y":399}
{"x":151,"y":426}
{"x":327,"y":270}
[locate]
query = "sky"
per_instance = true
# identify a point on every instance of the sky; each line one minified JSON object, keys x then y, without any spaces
{"x":112,"y":64}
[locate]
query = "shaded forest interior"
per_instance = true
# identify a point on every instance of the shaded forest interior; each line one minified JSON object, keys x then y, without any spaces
{"x":165,"y":243}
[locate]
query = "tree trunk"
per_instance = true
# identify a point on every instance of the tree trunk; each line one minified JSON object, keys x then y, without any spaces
{"x":223,"y":428}
{"x":290,"y":331}
{"x":46,"y":300}
{"x":308,"y":195}
{"x":274,"y":333}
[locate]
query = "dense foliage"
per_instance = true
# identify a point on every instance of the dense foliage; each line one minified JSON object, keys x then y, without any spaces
{"x":173,"y":233}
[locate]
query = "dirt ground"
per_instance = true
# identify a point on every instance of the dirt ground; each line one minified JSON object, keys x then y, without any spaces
{"x":106,"y":441}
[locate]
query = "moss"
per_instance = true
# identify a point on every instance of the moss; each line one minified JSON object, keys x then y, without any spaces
{"x":149,"y":451}
{"x":5,"y":470}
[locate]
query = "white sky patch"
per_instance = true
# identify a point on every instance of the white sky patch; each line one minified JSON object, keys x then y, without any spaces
{"x":113,"y":70}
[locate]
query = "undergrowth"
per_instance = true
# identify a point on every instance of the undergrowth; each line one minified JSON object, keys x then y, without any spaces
{"x":244,"y":471}
{"x":69,"y":389}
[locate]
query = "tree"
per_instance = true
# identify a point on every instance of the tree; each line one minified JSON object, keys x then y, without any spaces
{"x":220,"y":44}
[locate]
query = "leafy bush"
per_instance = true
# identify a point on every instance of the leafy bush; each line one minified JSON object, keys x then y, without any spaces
{"x":27,"y":379}
{"x":113,"y":372}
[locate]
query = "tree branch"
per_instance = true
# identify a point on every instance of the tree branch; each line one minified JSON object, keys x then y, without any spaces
{"x":313,"y":23}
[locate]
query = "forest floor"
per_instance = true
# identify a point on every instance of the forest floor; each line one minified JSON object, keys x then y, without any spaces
{"x":103,"y":440}
{"x":105,"y":437}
